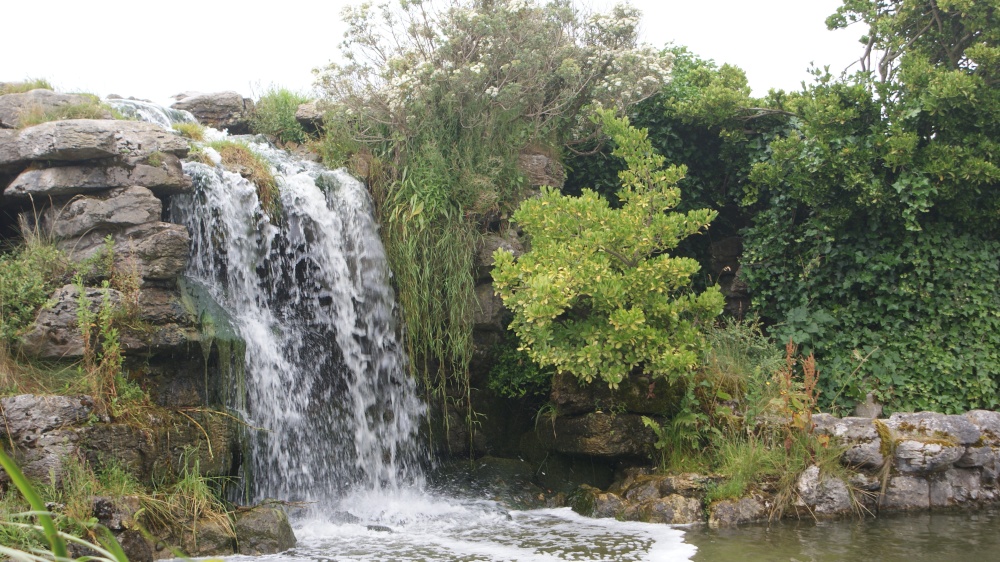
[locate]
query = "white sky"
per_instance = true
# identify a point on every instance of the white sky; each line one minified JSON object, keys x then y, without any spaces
{"x":155,"y":50}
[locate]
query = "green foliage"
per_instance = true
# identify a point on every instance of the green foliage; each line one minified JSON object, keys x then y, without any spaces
{"x":598,"y":295}
{"x":28,"y":275}
{"x":515,"y":375}
{"x":274,"y":115}
{"x":436,"y":102}
{"x":879,"y":215}
{"x":26,"y":86}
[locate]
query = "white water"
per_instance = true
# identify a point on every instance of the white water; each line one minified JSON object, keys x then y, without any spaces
{"x":326,"y":378}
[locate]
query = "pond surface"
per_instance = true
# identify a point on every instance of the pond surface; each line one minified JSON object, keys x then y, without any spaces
{"x":418,"y":527}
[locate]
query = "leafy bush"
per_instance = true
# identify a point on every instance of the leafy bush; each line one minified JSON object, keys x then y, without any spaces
{"x":598,"y":294}
{"x":274,"y":115}
{"x":515,"y":375}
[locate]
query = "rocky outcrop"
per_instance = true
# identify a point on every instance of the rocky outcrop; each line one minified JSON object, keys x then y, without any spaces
{"x":156,"y":252}
{"x":89,"y":139}
{"x":14,"y":106}
{"x":310,"y":116}
{"x":162,"y":175}
{"x":104,"y":211}
{"x":541,"y":169}
{"x":221,"y":110}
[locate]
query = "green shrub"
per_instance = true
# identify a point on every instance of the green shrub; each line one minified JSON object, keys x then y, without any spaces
{"x":274,"y":115}
{"x":515,"y":375}
{"x":599,"y":295}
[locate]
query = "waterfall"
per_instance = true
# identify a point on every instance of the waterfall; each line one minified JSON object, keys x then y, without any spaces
{"x":309,"y":293}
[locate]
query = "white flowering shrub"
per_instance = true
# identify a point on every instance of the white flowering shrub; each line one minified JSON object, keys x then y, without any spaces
{"x":441,"y":97}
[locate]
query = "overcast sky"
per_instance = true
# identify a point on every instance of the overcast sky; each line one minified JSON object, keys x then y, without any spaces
{"x":155,"y":50}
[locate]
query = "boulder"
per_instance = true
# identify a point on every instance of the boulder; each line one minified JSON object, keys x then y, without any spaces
{"x":156,"y":251}
{"x":28,"y":415}
{"x":922,"y":457}
{"x":13,"y":106}
{"x":87,"y":139}
{"x":310,"y":116}
{"x":208,"y":537}
{"x":672,"y":510}
{"x":221,"y":110}
{"x":263,"y":529}
{"x":933,"y":426}
{"x":117,"y":208}
{"x":821,"y":493}
{"x":43,"y":457}
{"x":729,"y":513}
{"x":592,"y":502}
{"x":163,"y":175}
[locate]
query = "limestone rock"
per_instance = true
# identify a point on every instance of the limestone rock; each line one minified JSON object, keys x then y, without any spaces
{"x":906,"y":493}
{"x":208,"y":537}
{"x":920,"y":457}
{"x":86,"y":139}
{"x":28,"y":415}
{"x":934,"y":426}
{"x":541,"y":169}
{"x":43,"y":457}
{"x":823,"y":494}
{"x":13,"y":106}
{"x":221,"y":110}
{"x":55,"y":334}
{"x":164,"y":178}
{"x":592,"y":502}
{"x":672,"y":510}
{"x":508,"y":240}
{"x":638,"y":393}
{"x":858,"y":434}
{"x":602,"y":435}
{"x":729,"y":513}
{"x":490,"y":314}
{"x":959,"y":486}
{"x":263,"y":530}
{"x":157,"y":251}
{"x":9,"y":149}
{"x":309,"y":115}
{"x":113,"y":209}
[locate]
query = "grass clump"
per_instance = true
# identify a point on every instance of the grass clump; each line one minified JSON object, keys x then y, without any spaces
{"x":26,"y":86}
{"x":193,"y":131}
{"x":92,"y":108}
{"x":242,"y":159}
{"x":274,"y":115}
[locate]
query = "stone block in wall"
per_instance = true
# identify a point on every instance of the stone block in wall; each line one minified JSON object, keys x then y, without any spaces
{"x":166,"y":177}
{"x":102,"y":211}
{"x":958,"y":486}
{"x":906,"y":493}
{"x":857,"y":434}
{"x":922,"y":457}
{"x":156,"y":251}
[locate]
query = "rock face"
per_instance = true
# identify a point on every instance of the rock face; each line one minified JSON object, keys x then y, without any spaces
{"x":164,"y":178}
{"x":222,"y":110}
{"x":88,"y":139}
{"x":541,"y":169}
{"x":13,"y":106}
{"x":155,"y":251}
{"x":263,"y":530}
{"x":103,"y":211}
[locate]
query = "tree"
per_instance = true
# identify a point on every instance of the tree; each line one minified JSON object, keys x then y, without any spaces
{"x":599,"y":295}
{"x":878,"y":221}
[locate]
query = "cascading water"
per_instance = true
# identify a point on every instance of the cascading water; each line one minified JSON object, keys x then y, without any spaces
{"x":325,"y":374}
{"x":325,"y":380}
